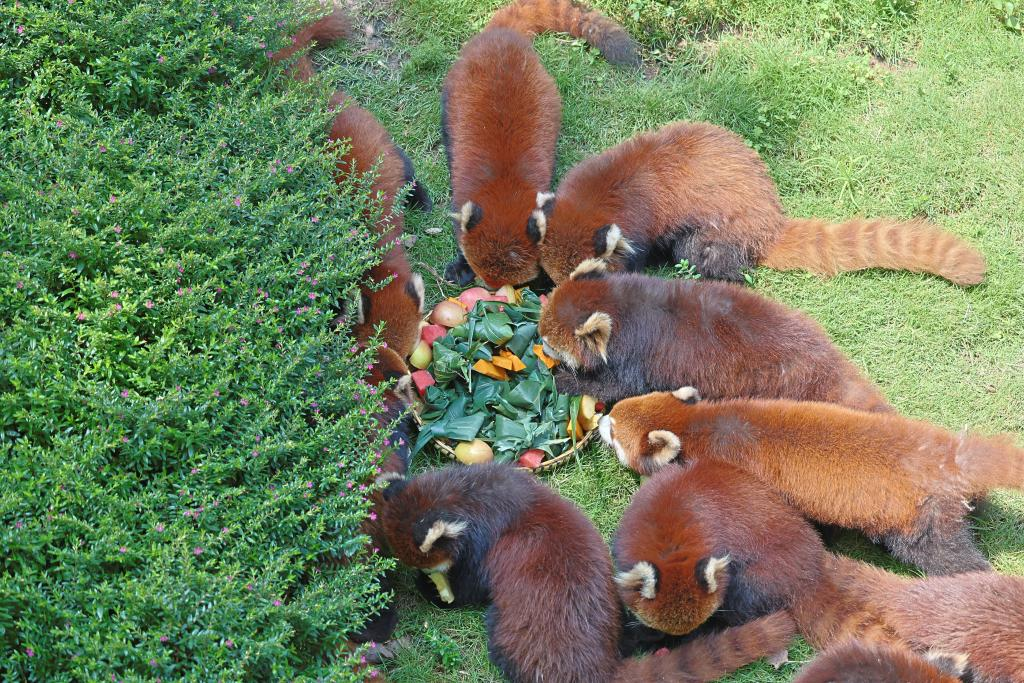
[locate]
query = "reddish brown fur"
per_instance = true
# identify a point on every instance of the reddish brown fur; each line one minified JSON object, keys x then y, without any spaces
{"x":369,"y":149}
{"x":978,"y":614}
{"x":683,"y":517}
{"x":501,"y":112}
{"x":906,"y":482}
{"x":723,"y":339}
{"x":324,"y":31}
{"x":696,"y":191}
{"x":855,"y":662}
{"x":546,"y":572}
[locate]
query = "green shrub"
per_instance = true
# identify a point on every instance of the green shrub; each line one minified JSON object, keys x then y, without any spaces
{"x":183,"y":438}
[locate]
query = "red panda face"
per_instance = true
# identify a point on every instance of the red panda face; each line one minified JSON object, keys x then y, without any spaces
{"x":497,"y":247}
{"x":568,"y":236}
{"x":677,"y":593}
{"x":390,"y":367}
{"x":642,"y":429}
{"x":577,"y":323}
{"x":398,"y":305}
{"x":421,"y":534}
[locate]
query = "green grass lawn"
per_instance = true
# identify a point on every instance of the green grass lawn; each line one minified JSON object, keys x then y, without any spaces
{"x":881,"y":107}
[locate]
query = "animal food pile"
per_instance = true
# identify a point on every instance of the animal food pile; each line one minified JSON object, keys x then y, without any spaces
{"x":487,"y":385}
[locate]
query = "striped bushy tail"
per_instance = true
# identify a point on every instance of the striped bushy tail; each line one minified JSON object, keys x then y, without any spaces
{"x":916,"y":245}
{"x":839,"y":606}
{"x":567,"y":16}
{"x":991,"y":462}
{"x":710,"y":657}
{"x":330,"y":29}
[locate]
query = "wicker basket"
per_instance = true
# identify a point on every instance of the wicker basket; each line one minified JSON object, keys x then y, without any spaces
{"x":551,"y":463}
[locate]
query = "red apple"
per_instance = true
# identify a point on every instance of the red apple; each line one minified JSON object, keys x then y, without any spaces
{"x":431,"y":333}
{"x":472,"y":295}
{"x":422,"y":379}
{"x":532,"y":458}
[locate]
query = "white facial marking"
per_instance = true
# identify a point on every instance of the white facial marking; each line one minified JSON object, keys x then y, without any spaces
{"x":604,"y":428}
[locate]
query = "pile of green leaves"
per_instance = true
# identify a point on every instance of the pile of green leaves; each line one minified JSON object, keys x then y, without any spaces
{"x":184,"y":439}
{"x":523,"y":412}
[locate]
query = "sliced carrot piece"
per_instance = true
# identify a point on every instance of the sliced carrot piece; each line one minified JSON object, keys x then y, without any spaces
{"x":538,"y":350}
{"x":515,"y":362}
{"x":488,"y":368}
{"x":502,"y":361}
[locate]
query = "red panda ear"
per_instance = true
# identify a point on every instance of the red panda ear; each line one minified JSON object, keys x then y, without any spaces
{"x":468,"y":215}
{"x":712,"y":572}
{"x":589,"y":268}
{"x":414,"y":288}
{"x":404,"y":389}
{"x":441,"y":529}
{"x":363,"y":308}
{"x":396,"y":483}
{"x":666,"y":446}
{"x":642,"y":578}
{"x":595,"y":332}
{"x":954,"y":664}
{"x":537,"y":225}
{"x":609,"y":243}
{"x":687,"y":395}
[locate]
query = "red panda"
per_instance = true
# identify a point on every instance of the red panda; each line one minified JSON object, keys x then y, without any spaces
{"x":695,"y":191}
{"x":706,"y":538}
{"x":856,"y":662}
{"x":393,"y":463}
{"x":630,"y":334}
{"x":906,"y":483}
{"x":500,"y":115}
{"x":368,"y":148}
{"x":977,"y":614}
{"x":492,"y":533}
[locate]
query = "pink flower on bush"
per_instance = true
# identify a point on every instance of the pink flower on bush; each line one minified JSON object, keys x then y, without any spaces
{"x":160,"y":528}
{"x":160,"y":59}
{"x":122,"y":550}
{"x":30,"y":652}
{"x":21,"y":29}
{"x":148,"y":304}
{"x":315,"y":219}
{"x":244,"y":401}
{"x":72,"y":255}
{"x":197,"y":551}
{"x":229,"y":643}
{"x":114,"y":294}
{"x":238,"y":201}
{"x":113,"y":199}
{"x":80,"y":317}
{"x":277,"y":603}
{"x":124,"y":393}
{"x":164,"y":639}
